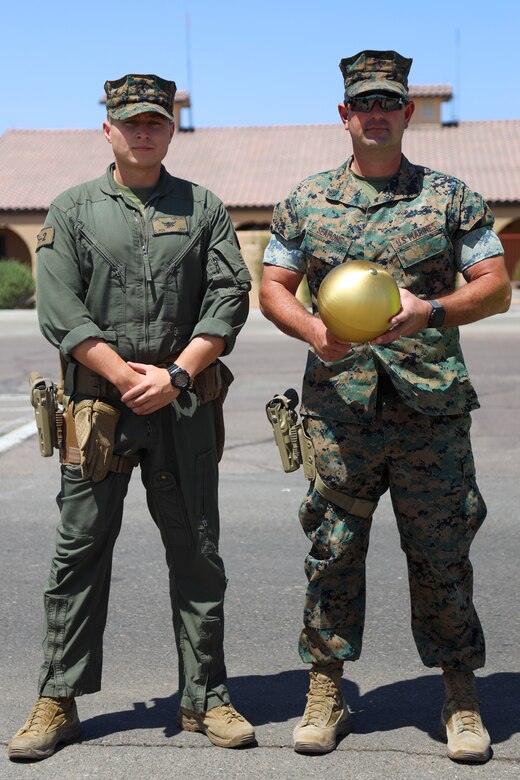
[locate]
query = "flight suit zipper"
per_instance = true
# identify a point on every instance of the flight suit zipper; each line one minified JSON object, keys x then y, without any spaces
{"x":148,"y":278}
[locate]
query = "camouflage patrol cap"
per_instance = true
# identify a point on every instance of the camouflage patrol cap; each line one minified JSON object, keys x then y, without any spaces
{"x":375,"y":71}
{"x":136,"y":94}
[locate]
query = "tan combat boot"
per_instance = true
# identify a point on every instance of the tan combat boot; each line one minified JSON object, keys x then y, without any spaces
{"x":50,"y":722}
{"x":223,"y":725}
{"x":326,"y":715}
{"x":461,"y":724}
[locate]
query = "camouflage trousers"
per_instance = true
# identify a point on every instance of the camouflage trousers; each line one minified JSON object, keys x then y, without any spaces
{"x":427,"y":464}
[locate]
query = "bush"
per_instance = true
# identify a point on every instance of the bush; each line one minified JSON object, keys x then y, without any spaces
{"x":16,"y":285}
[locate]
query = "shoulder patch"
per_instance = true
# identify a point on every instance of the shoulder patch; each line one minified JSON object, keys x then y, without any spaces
{"x":169,"y":225}
{"x":45,"y":238}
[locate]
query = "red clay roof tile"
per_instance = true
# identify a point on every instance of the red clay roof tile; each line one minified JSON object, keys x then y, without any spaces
{"x":256,"y":166}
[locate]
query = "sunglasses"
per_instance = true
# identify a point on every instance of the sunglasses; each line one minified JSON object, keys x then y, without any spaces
{"x":365,"y":103}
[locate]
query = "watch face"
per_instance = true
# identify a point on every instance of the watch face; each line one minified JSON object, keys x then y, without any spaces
{"x":437,"y":315}
{"x":179,"y":377}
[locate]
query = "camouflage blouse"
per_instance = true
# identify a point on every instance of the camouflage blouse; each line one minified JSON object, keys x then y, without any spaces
{"x":425,"y":228}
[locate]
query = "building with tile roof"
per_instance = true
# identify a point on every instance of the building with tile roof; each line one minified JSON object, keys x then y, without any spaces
{"x":252,"y":168}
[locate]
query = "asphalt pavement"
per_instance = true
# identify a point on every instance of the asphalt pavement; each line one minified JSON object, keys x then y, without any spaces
{"x":129,"y":728}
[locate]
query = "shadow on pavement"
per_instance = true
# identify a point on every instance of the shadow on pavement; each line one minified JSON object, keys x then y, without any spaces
{"x":280,"y":697}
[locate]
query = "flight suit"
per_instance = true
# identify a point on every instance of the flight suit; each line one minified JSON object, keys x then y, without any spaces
{"x":146,"y":283}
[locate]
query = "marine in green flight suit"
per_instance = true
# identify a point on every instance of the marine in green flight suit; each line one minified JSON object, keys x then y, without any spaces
{"x":141,"y":287}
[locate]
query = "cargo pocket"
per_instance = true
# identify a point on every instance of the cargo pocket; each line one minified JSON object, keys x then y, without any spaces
{"x":473,"y":508}
{"x":168,"y":510}
{"x":211,"y":640}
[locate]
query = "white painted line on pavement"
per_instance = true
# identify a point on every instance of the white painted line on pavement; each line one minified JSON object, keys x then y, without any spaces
{"x":17,"y":436}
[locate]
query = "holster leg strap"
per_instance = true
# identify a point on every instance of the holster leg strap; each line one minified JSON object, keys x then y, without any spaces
{"x":121,"y":465}
{"x":354,"y":506}
{"x":118,"y":463}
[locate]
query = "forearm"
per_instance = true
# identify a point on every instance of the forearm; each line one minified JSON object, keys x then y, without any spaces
{"x":200,"y":353}
{"x":484,"y":295}
{"x":100,"y":358}
{"x":487,"y":292}
{"x":280,"y":305}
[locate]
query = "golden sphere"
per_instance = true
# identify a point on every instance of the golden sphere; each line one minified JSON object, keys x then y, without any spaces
{"x":356,"y":300}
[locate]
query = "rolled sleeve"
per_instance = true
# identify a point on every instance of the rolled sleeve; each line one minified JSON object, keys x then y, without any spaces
{"x":476,"y":246}
{"x":472,"y":228}
{"x":284,"y":254}
{"x":211,"y":326}
{"x":88,"y":330}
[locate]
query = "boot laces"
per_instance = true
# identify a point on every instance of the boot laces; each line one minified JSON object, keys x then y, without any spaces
{"x":466,"y":720}
{"x":323,"y":689}
{"x":228,"y":713}
{"x":39,"y":714}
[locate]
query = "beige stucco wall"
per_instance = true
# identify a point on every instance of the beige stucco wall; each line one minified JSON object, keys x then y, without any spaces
{"x":253,"y":243}
{"x":427,"y":111}
{"x":251,"y":217}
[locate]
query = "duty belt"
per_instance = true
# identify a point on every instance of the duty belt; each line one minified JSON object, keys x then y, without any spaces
{"x":87,"y":382}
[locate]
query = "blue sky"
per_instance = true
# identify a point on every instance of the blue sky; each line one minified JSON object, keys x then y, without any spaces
{"x":248,"y":63}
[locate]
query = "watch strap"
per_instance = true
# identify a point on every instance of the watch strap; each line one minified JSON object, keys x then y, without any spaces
{"x":437,"y":314}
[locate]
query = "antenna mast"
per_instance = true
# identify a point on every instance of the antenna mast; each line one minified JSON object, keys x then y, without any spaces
{"x":188,"y":69}
{"x":456,"y":103}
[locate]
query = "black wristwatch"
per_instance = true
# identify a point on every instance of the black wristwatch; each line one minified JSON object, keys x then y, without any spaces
{"x":437,"y":315}
{"x":179,"y":377}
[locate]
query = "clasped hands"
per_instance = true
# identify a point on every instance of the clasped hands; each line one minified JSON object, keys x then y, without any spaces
{"x":149,"y":389}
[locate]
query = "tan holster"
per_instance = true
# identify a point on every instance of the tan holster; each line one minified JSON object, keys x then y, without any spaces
{"x":296,"y":449}
{"x":70,"y":454}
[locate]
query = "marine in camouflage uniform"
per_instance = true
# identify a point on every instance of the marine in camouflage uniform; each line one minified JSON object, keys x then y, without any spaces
{"x":392,"y":414}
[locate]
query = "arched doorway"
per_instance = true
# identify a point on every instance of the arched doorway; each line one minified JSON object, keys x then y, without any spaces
{"x":13,"y":247}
